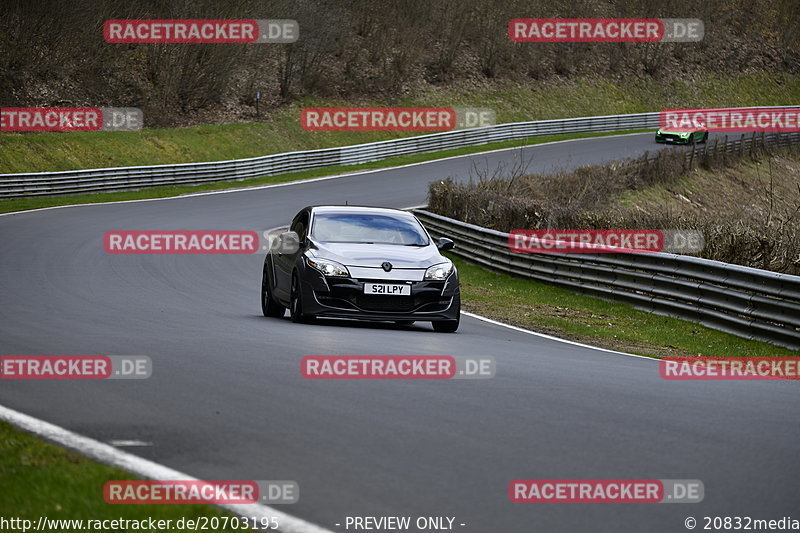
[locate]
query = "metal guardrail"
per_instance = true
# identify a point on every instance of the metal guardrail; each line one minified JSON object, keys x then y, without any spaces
{"x":742,"y":145}
{"x":127,"y":178}
{"x":747,"y":302}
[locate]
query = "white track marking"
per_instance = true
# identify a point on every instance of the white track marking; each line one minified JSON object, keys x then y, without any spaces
{"x":109,"y":455}
{"x":129,"y":443}
{"x":311,"y":180}
{"x":543,"y":335}
{"x":143,"y":468}
{"x":530,"y":332}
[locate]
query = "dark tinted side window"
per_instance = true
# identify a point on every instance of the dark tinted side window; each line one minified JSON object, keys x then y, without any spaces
{"x":300,"y":225}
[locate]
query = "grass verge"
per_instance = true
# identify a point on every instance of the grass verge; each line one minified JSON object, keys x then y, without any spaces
{"x":279,"y":129}
{"x":38,"y":478}
{"x":617,"y":326}
{"x":23,"y":204}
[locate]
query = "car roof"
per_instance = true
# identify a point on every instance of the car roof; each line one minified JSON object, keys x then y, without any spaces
{"x":357,"y":209}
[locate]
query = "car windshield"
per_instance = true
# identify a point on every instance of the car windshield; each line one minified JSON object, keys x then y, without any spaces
{"x":368,"y":228}
{"x":682,"y":126}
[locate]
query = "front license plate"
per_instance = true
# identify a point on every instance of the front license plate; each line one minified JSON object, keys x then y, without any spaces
{"x":387,"y":289}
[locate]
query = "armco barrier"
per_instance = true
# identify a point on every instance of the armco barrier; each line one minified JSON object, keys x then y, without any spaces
{"x":126,"y":178}
{"x":741,"y":145}
{"x":747,"y":302}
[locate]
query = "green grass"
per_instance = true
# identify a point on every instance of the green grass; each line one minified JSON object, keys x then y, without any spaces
{"x":22,"y":204}
{"x":279,"y":131}
{"x":555,"y":311}
{"x":41,"y":479}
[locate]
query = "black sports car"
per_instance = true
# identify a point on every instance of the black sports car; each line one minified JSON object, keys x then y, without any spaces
{"x":363,"y":263}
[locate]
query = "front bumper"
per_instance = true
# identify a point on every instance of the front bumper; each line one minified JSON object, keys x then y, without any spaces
{"x":345,"y":298}
{"x":671,"y":138}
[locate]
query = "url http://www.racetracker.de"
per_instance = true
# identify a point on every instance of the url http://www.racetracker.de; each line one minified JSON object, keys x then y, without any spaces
{"x":202,"y":523}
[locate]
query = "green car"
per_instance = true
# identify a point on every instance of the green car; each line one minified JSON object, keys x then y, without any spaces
{"x":692,"y":134}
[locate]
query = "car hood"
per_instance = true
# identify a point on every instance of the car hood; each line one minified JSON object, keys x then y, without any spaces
{"x":668,"y":132}
{"x":373,"y":255}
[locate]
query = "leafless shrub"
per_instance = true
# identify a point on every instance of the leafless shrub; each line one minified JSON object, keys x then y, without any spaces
{"x":764,"y":234}
{"x":51,"y":51}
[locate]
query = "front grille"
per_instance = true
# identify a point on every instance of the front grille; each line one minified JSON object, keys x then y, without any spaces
{"x":335,"y":302}
{"x":371,"y":302}
{"x":347,"y":294}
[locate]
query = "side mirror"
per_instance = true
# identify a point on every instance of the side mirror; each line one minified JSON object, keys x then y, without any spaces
{"x":444,"y":244}
{"x":288,"y":242}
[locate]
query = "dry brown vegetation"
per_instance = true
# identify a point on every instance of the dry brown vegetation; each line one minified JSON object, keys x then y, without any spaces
{"x":52,"y":51}
{"x":747,"y":206}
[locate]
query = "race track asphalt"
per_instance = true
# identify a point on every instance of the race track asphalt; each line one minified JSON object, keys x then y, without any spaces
{"x":227,"y":401}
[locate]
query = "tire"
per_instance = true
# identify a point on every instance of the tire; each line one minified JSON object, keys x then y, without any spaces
{"x":296,"y":302}
{"x":269,"y":306}
{"x":705,"y":138}
{"x":449,"y":326}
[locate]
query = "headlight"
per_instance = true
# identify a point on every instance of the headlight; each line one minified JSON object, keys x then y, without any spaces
{"x":439,"y":272}
{"x":329,"y":268}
